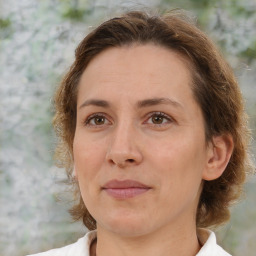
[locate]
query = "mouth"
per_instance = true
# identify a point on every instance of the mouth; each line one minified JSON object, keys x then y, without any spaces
{"x":124,"y":189}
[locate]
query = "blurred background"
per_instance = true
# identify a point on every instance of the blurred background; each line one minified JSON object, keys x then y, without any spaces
{"x":37,"y":42}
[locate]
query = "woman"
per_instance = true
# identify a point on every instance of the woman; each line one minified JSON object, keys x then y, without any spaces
{"x":152,"y":130}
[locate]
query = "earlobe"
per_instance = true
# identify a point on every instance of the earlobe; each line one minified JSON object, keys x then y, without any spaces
{"x":219,"y":153}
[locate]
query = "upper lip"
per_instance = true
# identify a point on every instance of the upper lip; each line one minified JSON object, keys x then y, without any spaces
{"x":119,"y":184}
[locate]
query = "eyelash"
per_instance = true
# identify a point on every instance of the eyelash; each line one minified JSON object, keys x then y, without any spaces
{"x":149,"y":116}
{"x":161,"y":115}
{"x":91,"y":117}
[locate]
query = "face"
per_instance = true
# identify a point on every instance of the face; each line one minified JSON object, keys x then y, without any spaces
{"x":139,"y":147}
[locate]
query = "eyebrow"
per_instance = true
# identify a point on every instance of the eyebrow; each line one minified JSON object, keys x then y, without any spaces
{"x":158,"y":101}
{"x":140,"y":104}
{"x":95,"y":102}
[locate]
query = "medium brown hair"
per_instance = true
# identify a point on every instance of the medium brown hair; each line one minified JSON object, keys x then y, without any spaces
{"x":215,"y":90}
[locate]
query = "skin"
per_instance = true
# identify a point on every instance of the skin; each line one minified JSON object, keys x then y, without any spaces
{"x":121,"y":134}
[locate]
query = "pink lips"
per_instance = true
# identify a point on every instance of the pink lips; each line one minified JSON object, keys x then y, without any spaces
{"x":125,"y":188}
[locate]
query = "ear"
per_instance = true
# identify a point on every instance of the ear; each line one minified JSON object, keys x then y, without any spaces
{"x":219,"y":152}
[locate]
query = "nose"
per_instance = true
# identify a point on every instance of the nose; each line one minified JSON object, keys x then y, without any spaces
{"x":123,"y":147}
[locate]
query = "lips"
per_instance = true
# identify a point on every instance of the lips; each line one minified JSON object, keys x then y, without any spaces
{"x":125,"y":189}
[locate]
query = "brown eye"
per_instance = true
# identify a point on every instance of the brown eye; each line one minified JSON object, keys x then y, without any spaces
{"x":99,"y":120}
{"x":156,"y":119}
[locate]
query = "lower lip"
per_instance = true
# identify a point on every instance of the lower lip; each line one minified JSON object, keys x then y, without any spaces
{"x":124,"y":193}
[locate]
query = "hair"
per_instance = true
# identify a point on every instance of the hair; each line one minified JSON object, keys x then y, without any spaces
{"x":214,"y":87}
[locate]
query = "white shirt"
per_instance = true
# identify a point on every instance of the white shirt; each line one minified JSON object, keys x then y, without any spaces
{"x":82,"y":247}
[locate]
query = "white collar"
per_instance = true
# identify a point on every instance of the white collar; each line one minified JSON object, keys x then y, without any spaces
{"x":210,"y":247}
{"x":82,"y":247}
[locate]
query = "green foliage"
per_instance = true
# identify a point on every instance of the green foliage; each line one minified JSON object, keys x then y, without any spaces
{"x":5,"y":23}
{"x":232,"y":23}
{"x":75,"y":10}
{"x":74,"y":14}
{"x":5,"y":28}
{"x":249,"y":53}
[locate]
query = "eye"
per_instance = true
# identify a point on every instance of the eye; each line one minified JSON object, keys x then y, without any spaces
{"x":97,"y":120}
{"x":159,"y":118}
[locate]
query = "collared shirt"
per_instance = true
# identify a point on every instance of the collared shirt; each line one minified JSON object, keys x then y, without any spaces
{"x":82,"y":247}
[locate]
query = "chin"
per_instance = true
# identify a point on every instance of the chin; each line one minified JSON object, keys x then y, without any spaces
{"x":127,"y":226}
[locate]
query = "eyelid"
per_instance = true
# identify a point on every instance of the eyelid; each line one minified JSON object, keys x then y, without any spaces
{"x":98,"y":114}
{"x":147,"y":117}
{"x":159,"y":113}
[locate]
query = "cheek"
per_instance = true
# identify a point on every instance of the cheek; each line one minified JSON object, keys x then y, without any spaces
{"x":172,"y":151}
{"x":88,"y":159}
{"x":180,"y":171}
{"x":89,"y":155}
{"x":180,"y":161}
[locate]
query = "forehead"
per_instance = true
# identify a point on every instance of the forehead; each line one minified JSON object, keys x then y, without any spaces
{"x":148,"y":70}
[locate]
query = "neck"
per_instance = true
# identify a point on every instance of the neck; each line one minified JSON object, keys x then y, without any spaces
{"x":182,"y":242}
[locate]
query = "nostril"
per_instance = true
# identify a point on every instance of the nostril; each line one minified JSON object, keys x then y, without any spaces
{"x":121,"y":163}
{"x":111,"y":161}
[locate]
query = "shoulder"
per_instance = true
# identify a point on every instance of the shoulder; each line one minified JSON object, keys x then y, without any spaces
{"x":209,"y":244}
{"x":79,"y":248}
